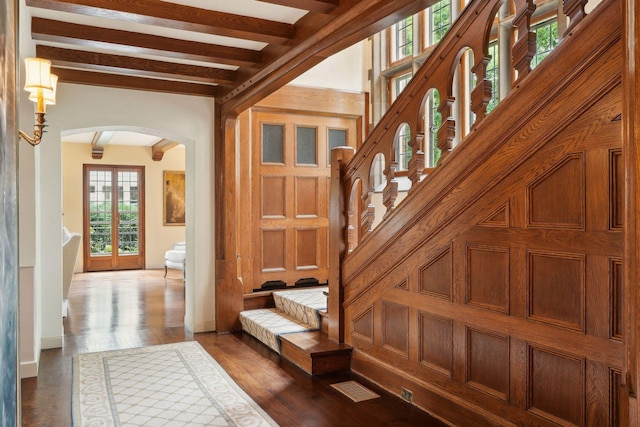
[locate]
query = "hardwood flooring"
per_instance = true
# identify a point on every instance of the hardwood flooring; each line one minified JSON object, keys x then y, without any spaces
{"x":116,"y":310}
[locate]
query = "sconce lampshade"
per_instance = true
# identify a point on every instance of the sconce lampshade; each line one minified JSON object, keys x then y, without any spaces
{"x":49,"y":95}
{"x":38,"y":75}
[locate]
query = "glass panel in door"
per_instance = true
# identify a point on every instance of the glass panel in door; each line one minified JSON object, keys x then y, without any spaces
{"x":114,"y":219}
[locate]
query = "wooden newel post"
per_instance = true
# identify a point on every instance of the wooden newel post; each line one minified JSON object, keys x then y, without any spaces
{"x":338,"y":217}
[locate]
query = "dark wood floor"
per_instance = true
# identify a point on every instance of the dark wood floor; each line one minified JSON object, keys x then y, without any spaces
{"x":109,"y":311}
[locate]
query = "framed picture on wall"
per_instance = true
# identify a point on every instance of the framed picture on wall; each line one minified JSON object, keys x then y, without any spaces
{"x":174,"y":197}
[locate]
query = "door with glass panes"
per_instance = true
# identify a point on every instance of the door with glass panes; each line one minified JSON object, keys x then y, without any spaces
{"x":113,"y":217}
{"x":291,"y":193}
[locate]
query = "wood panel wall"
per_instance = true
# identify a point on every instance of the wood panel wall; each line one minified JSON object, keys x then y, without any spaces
{"x":282,"y":215}
{"x":501,"y":304}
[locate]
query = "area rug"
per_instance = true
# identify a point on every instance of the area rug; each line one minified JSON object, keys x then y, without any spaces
{"x":168,"y":385}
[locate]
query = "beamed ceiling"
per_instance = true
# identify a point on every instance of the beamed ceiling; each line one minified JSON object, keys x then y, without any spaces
{"x":237,"y":51}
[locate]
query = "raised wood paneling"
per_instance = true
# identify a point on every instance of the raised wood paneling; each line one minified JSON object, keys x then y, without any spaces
{"x":436,"y":276}
{"x":497,"y":218}
{"x":362,"y":326}
{"x":273,"y":196}
{"x":557,"y":199}
{"x":616,"y":189}
{"x":306,"y":249}
{"x":436,"y":343}
{"x":307,"y":197}
{"x":488,"y":278}
{"x":556,"y":387}
{"x":487,"y":367}
{"x":615,"y":300}
{"x":273,"y":248}
{"x":556,"y":289}
{"x":615,"y":381}
{"x":395,"y":324}
{"x":292,"y":197}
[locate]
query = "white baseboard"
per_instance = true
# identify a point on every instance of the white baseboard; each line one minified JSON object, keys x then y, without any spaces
{"x":28,"y":369}
{"x":51,"y":342}
{"x":208,"y":326}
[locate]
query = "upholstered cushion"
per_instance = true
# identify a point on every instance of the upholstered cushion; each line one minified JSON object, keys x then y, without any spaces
{"x":174,"y":256}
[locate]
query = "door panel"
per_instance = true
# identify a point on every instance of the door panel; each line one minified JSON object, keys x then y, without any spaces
{"x":113,"y":217}
{"x":292,"y":162}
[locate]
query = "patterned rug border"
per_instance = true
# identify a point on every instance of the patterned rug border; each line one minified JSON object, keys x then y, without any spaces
{"x":188,"y":345}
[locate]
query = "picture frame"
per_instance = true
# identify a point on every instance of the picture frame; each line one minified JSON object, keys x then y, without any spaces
{"x":173,"y":190}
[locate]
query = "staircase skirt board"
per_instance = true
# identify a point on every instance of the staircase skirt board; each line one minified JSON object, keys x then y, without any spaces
{"x":268,"y":324}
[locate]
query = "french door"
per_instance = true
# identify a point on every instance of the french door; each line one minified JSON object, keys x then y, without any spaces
{"x":113,"y":217}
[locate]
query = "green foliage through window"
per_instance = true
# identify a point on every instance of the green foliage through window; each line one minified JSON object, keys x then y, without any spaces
{"x":546,"y":40}
{"x":440,"y":20}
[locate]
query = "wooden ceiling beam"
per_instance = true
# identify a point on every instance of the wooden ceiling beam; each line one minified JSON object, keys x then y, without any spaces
{"x":126,"y":41}
{"x":319,"y":6}
{"x":172,"y":15}
{"x":351,"y":24}
{"x":135,"y":66}
{"x":68,"y":75}
{"x":159,"y":148}
{"x":99,"y":141}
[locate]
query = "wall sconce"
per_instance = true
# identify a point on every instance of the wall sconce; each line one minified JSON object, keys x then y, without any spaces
{"x":41,"y":85}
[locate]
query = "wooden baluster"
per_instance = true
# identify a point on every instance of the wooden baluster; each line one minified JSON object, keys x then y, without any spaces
{"x":447,"y":131}
{"x":525,"y":46}
{"x":574,"y":9}
{"x":390,"y":193}
{"x":481,"y":94}
{"x":368,"y":214}
{"x":416,"y":163}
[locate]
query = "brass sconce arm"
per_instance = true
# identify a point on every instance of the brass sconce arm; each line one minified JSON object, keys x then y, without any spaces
{"x":37,"y":131}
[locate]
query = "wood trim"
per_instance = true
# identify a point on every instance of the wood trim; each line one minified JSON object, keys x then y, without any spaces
{"x":630,"y":405}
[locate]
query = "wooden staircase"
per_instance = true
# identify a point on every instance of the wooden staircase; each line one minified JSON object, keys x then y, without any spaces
{"x":293,"y":327}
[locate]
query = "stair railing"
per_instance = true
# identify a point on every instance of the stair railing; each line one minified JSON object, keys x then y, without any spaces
{"x":352,"y":212}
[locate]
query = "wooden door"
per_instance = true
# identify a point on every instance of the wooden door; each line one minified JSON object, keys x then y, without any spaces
{"x":113,"y":217}
{"x":290,"y":235}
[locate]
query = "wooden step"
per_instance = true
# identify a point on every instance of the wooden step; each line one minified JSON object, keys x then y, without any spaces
{"x":315,"y":353}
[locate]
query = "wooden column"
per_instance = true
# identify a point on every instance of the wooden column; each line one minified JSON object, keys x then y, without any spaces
{"x":338,"y":216}
{"x":629,"y":404}
{"x":229,"y":300}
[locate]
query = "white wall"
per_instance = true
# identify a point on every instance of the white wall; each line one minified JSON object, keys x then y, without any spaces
{"x":343,"y":71}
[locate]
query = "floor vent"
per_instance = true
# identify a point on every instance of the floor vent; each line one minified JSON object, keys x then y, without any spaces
{"x":355,"y":391}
